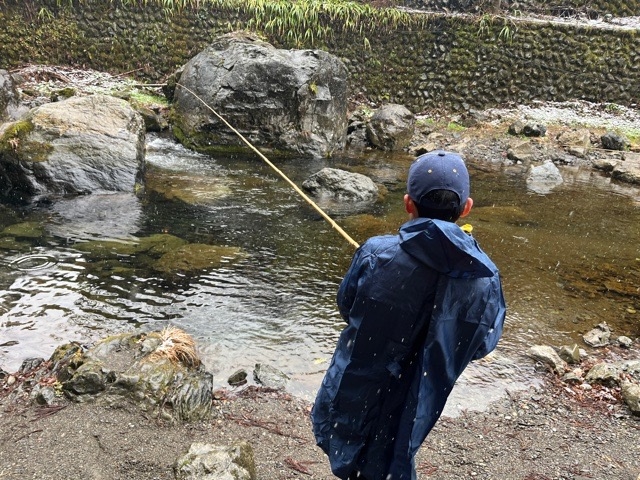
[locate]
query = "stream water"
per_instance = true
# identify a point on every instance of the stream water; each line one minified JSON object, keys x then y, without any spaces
{"x":570,"y":260}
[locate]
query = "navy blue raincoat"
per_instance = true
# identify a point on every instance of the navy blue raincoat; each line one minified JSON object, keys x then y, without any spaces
{"x":419,"y":307}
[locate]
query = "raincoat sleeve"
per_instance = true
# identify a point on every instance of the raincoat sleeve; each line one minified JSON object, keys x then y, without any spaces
{"x":349,"y":284}
{"x":499,"y":310}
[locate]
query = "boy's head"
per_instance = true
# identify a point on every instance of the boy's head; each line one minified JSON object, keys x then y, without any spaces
{"x":438,"y":186}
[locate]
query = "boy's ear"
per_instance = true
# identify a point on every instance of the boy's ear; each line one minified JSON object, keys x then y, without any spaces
{"x":409,"y":206}
{"x":467,"y":207}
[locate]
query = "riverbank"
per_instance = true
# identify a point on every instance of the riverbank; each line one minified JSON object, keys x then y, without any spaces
{"x":545,"y":432}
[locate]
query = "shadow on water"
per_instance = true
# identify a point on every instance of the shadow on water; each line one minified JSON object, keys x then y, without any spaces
{"x":570,"y":260}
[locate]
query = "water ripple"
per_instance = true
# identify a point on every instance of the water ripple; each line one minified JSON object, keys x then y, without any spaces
{"x":29,"y":263}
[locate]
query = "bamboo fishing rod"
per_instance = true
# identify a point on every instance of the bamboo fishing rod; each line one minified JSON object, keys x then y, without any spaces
{"x":277,"y":170}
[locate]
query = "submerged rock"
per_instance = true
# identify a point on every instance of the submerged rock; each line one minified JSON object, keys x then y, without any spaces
{"x":196,"y":256}
{"x":23,"y":230}
{"x":190,"y":187}
{"x":83,"y":217}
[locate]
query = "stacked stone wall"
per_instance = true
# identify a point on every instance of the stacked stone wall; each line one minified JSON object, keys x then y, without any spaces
{"x":592,"y":8}
{"x":449,"y":62}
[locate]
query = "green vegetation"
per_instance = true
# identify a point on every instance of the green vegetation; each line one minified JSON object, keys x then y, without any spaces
{"x":486,"y":26}
{"x":612,"y":107}
{"x":425,"y":122}
{"x":24,"y":230}
{"x":299,"y":22}
{"x":634,"y":137}
{"x":13,"y":136}
{"x":455,"y":127}
{"x":148,"y":99}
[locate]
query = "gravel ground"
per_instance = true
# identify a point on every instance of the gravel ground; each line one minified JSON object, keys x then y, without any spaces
{"x":537,"y":434}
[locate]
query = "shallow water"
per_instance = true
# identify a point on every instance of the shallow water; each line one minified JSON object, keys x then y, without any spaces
{"x":570,"y":260}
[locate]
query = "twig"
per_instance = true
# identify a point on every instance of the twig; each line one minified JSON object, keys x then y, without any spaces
{"x":47,"y":411}
{"x":298,"y":466}
{"x":27,"y":434}
{"x":130,"y":71}
{"x":427,"y":468}
{"x":251,"y":422}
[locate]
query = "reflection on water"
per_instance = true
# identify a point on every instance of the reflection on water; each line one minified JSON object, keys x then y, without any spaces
{"x":570,"y":259}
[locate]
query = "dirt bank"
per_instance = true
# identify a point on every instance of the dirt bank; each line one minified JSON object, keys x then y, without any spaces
{"x":543,"y":433}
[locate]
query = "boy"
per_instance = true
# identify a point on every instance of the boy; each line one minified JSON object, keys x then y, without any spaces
{"x":419,"y":307}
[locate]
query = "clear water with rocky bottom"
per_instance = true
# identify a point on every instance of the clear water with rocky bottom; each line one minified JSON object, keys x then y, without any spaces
{"x":570,"y":260}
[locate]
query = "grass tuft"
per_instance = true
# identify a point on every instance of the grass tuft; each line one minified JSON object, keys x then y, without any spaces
{"x":178,"y":347}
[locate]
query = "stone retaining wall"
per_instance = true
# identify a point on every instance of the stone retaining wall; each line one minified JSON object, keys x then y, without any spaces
{"x":618,"y":8}
{"x":451,"y":62}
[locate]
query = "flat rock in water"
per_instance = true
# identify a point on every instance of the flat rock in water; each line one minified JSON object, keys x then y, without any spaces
{"x":544,"y":178}
{"x":341,"y":184}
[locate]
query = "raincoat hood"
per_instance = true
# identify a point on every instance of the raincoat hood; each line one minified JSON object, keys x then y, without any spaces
{"x":446,"y":248}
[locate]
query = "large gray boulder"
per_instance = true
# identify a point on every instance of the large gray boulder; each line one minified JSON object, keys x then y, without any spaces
{"x":82,"y":145}
{"x":391,"y":127}
{"x":8,"y":96}
{"x":292,"y":100}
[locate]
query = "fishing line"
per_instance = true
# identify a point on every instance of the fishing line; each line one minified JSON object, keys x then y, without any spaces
{"x":278,"y":171}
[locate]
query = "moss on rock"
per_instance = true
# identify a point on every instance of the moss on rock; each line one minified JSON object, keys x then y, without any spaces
{"x":188,"y":188}
{"x":24,"y":230}
{"x":196,"y":256}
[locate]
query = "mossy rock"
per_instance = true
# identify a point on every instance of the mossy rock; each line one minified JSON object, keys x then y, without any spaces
{"x":365,"y":225}
{"x":194,"y":257}
{"x":11,"y":244}
{"x":107,"y":248}
{"x":62,"y":94}
{"x":504,"y":214}
{"x":23,"y":230}
{"x":153,"y":245}
{"x":13,"y":133}
{"x":188,"y":188}
{"x":13,"y":138}
{"x":159,"y":244}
